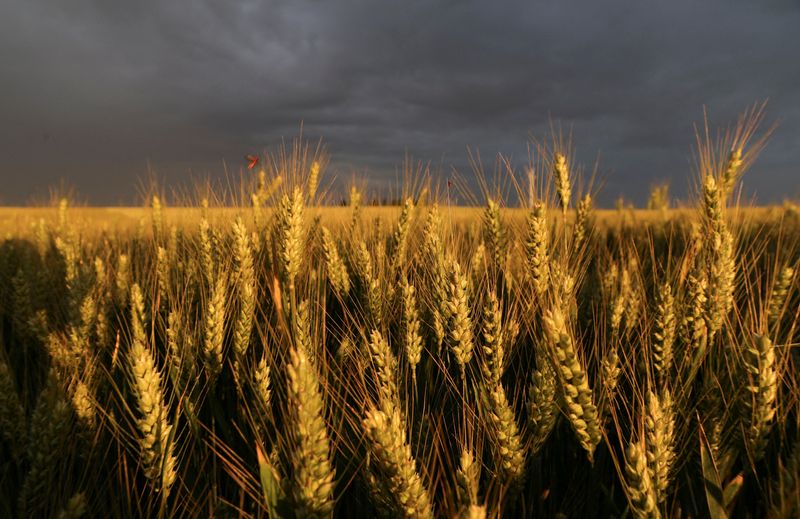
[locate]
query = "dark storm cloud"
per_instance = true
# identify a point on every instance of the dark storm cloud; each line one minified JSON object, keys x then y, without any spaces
{"x":94,"y":91}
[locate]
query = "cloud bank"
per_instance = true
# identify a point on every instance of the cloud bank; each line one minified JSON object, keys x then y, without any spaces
{"x":96,"y":92}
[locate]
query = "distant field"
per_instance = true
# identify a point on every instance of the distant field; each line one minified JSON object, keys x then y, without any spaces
{"x":123,"y":219}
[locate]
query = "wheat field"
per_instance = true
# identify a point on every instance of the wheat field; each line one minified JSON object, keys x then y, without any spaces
{"x":285,"y":358}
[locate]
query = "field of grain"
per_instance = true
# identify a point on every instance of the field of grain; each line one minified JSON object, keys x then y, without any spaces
{"x":286,"y":359}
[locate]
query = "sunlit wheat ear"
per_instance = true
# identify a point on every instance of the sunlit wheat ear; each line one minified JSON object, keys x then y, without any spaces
{"x":207,"y":260}
{"x":12,"y":414}
{"x":459,"y":324}
{"x":778,"y":297}
{"x":575,"y":390}
{"x":732,"y":171}
{"x":694,"y":323}
{"x":467,"y":479}
{"x":664,"y":332}
{"x":291,"y":235}
{"x":762,"y":392}
{"x":337,"y":270}
{"x":313,"y":180}
{"x":65,"y":354}
{"x":75,"y":508}
{"x":609,"y":279}
{"x":83,"y":404}
{"x":433,"y":233}
{"x":163,"y":271}
{"x":660,"y":441}
{"x":509,"y":455}
{"x":70,"y":255}
{"x":722,"y":264}
{"x":370,"y":284}
{"x":493,"y":340}
{"x":386,"y":437}
{"x":262,"y":385}
{"x":122,"y":280}
{"x":302,"y":330}
{"x":155,"y":431}
{"x":355,"y":206}
{"x":436,"y":259}
{"x":562,"y":181}
{"x":83,"y":323}
{"x":542,"y":406}
{"x":583,"y":215}
{"x":158,"y":219}
{"x":312,"y":481}
{"x":50,"y":425}
{"x":493,"y":233}
{"x":477,"y":267}
{"x":246,"y":289}
{"x":385,"y":366}
{"x":617,"y":304}
{"x":412,"y":339}
{"x":639,"y":487}
{"x":610,"y":372}
{"x":215,"y":326}
{"x":137,"y":317}
{"x":401,"y":235}
{"x":181,"y":352}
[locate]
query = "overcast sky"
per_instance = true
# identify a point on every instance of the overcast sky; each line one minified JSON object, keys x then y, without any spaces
{"x":92,"y":92}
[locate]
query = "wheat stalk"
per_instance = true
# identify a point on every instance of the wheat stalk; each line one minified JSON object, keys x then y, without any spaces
{"x":664,"y":332}
{"x":542,"y":406}
{"x":509,"y":453}
{"x":722,"y":266}
{"x":155,"y":440}
{"x":694,"y":323}
{"x":732,"y":170}
{"x":639,"y":487}
{"x":312,"y":482}
{"x":493,"y":340}
{"x":778,"y":297}
{"x":467,"y":480}
{"x":536,"y":246}
{"x":387,"y":444}
{"x":459,"y":322}
{"x":337,"y":270}
{"x":660,"y":441}
{"x":158,"y":219}
{"x":246,"y":289}
{"x":313,"y":180}
{"x":163,"y":273}
{"x":412,"y":340}
{"x":561,"y":175}
{"x":207,"y":259}
{"x":575,"y":390}
{"x":493,"y":235}
{"x":385,"y":366}
{"x":762,"y":392}
{"x":50,"y":424}
{"x":292,"y":237}
{"x":122,"y":279}
{"x":215,"y":327}
{"x":401,"y":236}
{"x":583,"y":214}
